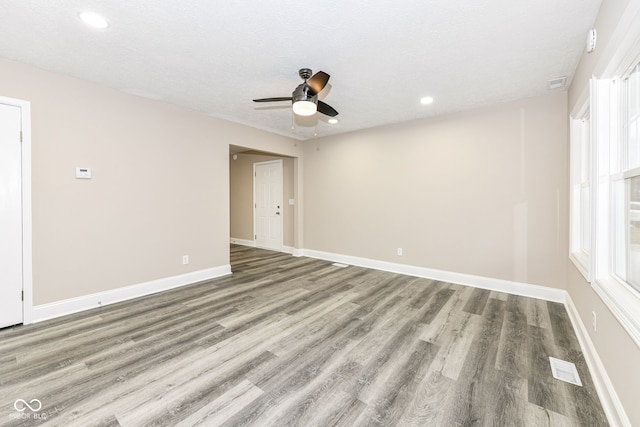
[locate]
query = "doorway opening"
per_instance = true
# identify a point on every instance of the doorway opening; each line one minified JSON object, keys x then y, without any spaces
{"x":249,"y":225}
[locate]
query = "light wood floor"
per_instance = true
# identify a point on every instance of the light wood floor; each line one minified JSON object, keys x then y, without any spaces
{"x":297,"y":341}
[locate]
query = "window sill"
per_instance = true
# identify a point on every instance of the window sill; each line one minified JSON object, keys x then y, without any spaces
{"x":623,"y":302}
{"x":581,"y":261}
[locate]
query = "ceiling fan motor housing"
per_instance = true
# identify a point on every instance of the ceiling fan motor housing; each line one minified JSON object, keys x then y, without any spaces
{"x":304,"y":93}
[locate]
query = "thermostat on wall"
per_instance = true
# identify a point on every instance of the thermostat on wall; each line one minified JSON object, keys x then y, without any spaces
{"x":83,"y":173}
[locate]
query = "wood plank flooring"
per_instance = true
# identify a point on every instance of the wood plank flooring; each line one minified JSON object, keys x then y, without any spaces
{"x":288,"y":341}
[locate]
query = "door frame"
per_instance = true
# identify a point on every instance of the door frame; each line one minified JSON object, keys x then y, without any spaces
{"x":281,"y":219}
{"x":27,"y":227}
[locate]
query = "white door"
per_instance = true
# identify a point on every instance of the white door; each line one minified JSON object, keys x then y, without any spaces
{"x":10,"y":216}
{"x":267,"y":187}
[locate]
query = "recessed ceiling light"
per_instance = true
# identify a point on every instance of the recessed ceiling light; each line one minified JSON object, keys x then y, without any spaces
{"x":332,"y":121}
{"x":93,"y":20}
{"x":426,"y":100}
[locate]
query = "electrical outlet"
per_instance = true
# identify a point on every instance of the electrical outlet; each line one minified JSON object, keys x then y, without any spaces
{"x":399,"y":251}
{"x":594,"y":322}
{"x":185,"y":260}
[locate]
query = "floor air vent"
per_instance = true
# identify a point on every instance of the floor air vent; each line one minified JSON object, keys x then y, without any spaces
{"x":564,"y":371}
{"x":337,"y":264}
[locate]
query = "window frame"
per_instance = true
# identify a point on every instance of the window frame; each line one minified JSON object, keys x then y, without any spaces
{"x":579,"y":133}
{"x":607,"y":114}
{"x":624,"y":171}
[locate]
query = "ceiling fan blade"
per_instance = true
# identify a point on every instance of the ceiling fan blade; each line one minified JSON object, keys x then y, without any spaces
{"x":318,"y":81}
{"x":281,"y":98}
{"x":326,"y":109}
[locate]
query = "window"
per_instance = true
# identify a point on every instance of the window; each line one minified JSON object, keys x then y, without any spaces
{"x":633,"y":255}
{"x":581,"y":192}
{"x":626,"y":183}
{"x":605,"y":194}
{"x":605,"y":176}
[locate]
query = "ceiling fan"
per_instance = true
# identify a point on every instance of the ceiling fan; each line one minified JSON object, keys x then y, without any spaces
{"x":305,"y":97}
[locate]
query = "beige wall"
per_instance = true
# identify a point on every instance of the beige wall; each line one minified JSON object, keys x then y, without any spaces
{"x":619,"y":354}
{"x":482,"y":192}
{"x":160,"y":186}
{"x":241,"y":182}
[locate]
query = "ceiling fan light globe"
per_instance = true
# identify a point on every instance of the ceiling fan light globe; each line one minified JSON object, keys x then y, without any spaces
{"x":304,"y":108}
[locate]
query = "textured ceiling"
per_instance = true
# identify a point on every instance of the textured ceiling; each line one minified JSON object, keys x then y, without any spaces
{"x":215,"y":57}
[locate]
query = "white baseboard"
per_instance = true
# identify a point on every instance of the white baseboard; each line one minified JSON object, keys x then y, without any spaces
{"x":611,"y":404}
{"x":243,"y":242}
{"x":293,"y":251}
{"x":524,"y":289}
{"x":86,"y":302}
{"x":286,"y":249}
